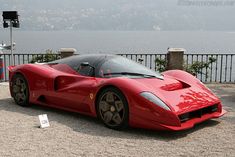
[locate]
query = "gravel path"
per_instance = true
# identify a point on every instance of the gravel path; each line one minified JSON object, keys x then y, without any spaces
{"x":72,"y":134}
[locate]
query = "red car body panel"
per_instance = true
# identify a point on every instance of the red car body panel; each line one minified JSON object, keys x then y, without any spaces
{"x":62,"y":87}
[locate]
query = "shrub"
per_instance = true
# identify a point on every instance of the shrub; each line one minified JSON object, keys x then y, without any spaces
{"x":48,"y":57}
{"x":160,"y":64}
{"x":194,"y":68}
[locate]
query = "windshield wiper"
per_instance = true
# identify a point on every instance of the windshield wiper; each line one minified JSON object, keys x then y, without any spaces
{"x":130,"y":73}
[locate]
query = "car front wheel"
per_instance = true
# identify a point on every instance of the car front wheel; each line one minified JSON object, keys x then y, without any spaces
{"x":112,"y":108}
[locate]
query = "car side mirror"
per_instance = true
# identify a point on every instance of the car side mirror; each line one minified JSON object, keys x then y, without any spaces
{"x":85,"y":64}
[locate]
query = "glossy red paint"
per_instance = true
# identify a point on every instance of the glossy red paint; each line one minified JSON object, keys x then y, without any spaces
{"x":62,"y":87}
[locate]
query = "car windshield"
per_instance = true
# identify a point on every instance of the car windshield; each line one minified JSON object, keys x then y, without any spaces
{"x":120,"y":66}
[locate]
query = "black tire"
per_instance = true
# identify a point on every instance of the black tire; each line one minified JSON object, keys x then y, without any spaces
{"x":20,"y":90}
{"x":112,"y":108}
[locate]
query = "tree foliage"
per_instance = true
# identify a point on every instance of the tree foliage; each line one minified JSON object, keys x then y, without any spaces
{"x":160,"y":64}
{"x":48,"y":57}
{"x":197,"y":66}
{"x":194,"y":68}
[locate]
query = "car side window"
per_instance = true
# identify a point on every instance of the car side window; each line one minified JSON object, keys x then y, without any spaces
{"x":85,"y":70}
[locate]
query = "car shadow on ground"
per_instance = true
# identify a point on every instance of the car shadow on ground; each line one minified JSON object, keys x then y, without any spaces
{"x":92,"y":126}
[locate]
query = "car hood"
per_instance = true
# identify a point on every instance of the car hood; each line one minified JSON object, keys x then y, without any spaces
{"x":180,"y":96}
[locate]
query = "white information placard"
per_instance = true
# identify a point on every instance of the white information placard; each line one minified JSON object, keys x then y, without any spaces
{"x":44,"y":122}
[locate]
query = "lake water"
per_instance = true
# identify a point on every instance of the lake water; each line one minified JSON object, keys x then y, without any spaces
{"x":121,"y":41}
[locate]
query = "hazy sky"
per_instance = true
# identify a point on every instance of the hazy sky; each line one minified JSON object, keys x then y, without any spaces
{"x":124,"y":14}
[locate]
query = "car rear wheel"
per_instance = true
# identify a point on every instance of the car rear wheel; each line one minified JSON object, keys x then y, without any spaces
{"x":20,"y":90}
{"x":112,"y":108}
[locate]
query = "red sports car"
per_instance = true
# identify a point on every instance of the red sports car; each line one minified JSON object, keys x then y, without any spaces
{"x":118,"y":91}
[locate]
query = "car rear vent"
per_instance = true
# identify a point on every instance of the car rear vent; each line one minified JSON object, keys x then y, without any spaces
{"x":198,"y":113}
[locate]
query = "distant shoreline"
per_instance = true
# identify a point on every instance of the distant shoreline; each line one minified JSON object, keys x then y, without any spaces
{"x":116,"y":42}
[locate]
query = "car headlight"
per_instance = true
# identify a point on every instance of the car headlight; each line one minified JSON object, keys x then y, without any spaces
{"x":154,"y":99}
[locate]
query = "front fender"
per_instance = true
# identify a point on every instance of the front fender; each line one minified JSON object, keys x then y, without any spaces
{"x":182,"y":76}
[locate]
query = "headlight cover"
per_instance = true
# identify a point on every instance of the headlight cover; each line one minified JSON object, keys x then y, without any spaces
{"x":154,"y":99}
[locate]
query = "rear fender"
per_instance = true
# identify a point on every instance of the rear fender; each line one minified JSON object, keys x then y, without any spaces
{"x":10,"y":69}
